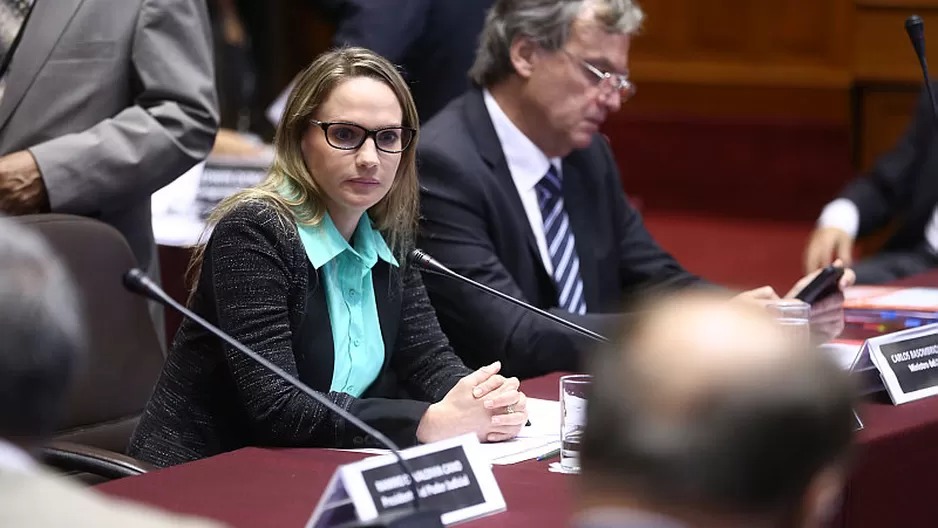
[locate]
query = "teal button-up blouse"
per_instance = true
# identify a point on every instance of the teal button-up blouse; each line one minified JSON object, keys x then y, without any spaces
{"x":345,"y":270}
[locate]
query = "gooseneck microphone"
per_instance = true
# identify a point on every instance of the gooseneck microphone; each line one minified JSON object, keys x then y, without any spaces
{"x":915,"y":27}
{"x":427,"y":263}
{"x":138,"y":282}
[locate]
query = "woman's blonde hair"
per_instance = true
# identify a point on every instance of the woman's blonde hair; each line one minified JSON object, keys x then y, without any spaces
{"x":290,"y":187}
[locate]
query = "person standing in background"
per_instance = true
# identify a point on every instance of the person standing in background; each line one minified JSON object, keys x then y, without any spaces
{"x":433,"y":41}
{"x":102,"y":103}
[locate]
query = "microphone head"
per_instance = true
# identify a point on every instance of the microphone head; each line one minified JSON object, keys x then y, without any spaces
{"x":420,"y":259}
{"x":135,"y":281}
{"x":914,"y":24}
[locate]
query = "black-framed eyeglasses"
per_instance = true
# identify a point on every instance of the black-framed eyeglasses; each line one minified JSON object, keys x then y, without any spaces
{"x":618,"y":82}
{"x":349,"y":136}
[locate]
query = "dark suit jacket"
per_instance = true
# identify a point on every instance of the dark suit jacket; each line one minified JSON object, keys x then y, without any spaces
{"x":474,"y":223}
{"x":433,"y":41}
{"x":903,"y":184}
{"x":258,"y":286}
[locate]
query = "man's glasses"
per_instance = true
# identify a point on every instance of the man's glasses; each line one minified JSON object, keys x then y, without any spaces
{"x":349,"y":136}
{"x":616,"y":82}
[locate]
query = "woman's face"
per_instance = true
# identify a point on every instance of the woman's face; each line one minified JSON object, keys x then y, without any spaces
{"x":354,"y":179}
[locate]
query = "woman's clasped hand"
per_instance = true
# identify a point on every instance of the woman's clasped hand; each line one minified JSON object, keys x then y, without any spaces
{"x":483,"y":402}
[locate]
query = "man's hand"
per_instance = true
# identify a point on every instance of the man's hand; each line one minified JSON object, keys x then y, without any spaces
{"x":827,"y":314}
{"x":758,"y":297}
{"x":826,"y":244}
{"x":846,"y":280}
{"x":22,"y":190}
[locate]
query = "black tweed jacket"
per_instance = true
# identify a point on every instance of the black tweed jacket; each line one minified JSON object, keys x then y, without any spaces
{"x":257,"y":285}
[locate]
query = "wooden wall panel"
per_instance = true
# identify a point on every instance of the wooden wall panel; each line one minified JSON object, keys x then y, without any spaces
{"x":886,"y":71}
{"x":881,"y":49}
{"x":742,"y":42}
{"x":886,"y":112}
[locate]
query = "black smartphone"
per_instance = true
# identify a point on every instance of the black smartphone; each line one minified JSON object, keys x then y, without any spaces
{"x":826,"y":283}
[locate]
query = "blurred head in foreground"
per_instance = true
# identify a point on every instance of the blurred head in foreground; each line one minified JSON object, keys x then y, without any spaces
{"x":705,"y":414}
{"x":41,"y":340}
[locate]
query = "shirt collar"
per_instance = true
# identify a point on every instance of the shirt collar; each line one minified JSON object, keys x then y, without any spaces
{"x":14,"y":458}
{"x":527,"y":163}
{"x":323,"y":242}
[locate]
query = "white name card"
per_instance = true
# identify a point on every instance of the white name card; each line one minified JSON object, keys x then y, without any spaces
{"x":452,"y":477}
{"x":907,"y":361}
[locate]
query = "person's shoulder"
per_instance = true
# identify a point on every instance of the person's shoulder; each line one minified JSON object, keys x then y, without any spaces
{"x":256,"y":214}
{"x":42,"y":499}
{"x":446,"y":126}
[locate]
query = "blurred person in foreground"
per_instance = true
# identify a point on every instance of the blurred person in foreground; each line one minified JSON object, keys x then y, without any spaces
{"x":520,"y":192}
{"x":310,"y":270}
{"x":900,"y":192}
{"x":41,"y":348}
{"x":705,"y":415}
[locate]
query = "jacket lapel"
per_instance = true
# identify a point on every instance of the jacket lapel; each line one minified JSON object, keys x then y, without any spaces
{"x":315,"y":350}
{"x":388,"y":300}
{"x":45,"y":26}
{"x":483,"y":133}
{"x":578,"y":207}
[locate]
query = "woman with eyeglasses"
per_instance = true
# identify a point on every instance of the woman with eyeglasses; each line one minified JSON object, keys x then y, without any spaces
{"x":310,"y":270}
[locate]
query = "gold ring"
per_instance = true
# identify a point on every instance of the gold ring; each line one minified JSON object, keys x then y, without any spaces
{"x":510,"y":409}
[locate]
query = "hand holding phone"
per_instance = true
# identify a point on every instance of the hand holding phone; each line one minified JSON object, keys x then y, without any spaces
{"x":826,"y":283}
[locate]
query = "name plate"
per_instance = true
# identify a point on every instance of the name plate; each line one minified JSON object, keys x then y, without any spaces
{"x":452,"y":477}
{"x":908,"y":362}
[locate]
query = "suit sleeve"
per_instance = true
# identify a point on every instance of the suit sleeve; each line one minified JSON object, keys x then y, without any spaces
{"x":387,"y":27}
{"x":169,"y":128}
{"x":252,"y":271}
{"x":880,"y":194}
{"x":455,"y":230}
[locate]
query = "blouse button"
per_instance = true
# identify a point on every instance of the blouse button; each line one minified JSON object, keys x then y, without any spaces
{"x":356,"y":342}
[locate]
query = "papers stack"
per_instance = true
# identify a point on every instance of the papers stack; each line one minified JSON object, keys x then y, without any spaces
{"x":540,"y":438}
{"x":881,"y":309}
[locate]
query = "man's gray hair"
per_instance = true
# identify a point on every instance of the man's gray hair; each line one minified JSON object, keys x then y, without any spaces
{"x":41,"y":335}
{"x":547,"y":23}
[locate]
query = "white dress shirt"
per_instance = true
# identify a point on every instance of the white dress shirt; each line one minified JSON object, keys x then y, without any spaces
{"x":527,"y":164}
{"x":844,"y":215}
{"x":13,"y":458}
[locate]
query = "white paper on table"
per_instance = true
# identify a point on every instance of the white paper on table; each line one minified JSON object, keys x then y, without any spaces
{"x":925,"y":298}
{"x":178,"y":197}
{"x":843,"y":353}
{"x":539,"y":438}
{"x":175,"y":219}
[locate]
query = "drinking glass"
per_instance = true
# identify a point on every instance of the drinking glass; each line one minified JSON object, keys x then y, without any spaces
{"x":795,"y":317}
{"x":573,"y":391}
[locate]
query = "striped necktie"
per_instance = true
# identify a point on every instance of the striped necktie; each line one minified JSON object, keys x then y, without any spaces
{"x":560,"y":244}
{"x":12,"y":16}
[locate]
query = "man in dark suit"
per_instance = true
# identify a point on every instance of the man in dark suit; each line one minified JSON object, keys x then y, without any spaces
{"x":434,"y":42}
{"x":902,"y":189}
{"x":520,"y":192}
{"x":687,"y":432}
